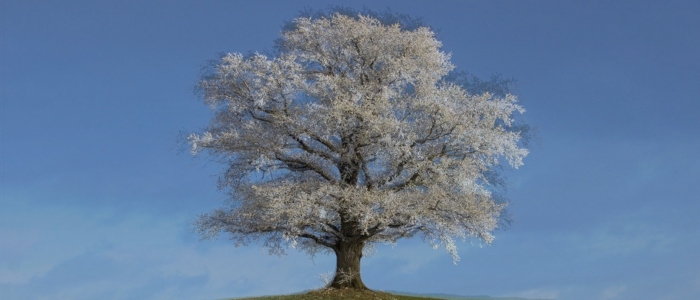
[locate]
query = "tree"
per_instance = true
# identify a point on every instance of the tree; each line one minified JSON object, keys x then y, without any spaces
{"x":354,"y":133}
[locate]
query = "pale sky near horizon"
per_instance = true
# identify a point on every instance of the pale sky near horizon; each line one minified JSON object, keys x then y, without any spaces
{"x":96,"y":198}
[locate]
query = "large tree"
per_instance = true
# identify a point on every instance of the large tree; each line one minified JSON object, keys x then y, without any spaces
{"x":351,"y":134}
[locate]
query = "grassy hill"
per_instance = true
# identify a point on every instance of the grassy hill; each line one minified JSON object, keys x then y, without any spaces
{"x":332,"y":294}
{"x":455,"y":297}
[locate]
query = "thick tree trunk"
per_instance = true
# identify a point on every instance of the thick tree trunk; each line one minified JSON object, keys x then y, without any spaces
{"x":347,"y":269}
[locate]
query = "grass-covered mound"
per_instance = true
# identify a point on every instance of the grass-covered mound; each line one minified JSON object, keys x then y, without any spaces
{"x":339,"y":294}
{"x":349,"y":294}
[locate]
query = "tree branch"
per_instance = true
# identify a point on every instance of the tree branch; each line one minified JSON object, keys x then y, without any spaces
{"x":292,"y":160}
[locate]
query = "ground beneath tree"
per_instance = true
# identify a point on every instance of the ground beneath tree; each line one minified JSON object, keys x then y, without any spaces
{"x":350,"y":294}
{"x":340,"y":294}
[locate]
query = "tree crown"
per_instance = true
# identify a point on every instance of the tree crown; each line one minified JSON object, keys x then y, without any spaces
{"x":355,"y":131}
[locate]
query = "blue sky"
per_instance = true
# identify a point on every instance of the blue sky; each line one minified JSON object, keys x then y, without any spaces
{"x":96,"y":200}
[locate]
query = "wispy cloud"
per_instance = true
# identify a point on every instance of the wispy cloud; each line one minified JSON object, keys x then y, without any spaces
{"x":539,"y":293}
{"x":88,"y":254}
{"x":613,"y":292}
{"x":628,"y":240}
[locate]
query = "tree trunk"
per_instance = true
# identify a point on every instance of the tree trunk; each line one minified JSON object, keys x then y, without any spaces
{"x":347,"y":269}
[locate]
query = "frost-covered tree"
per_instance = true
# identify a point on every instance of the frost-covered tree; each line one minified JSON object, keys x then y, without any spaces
{"x":353,"y":134}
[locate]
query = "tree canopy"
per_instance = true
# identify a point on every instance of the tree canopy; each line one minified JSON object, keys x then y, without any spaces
{"x":355,"y":133}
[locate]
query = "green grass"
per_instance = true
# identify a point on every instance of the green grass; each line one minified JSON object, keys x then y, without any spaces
{"x":342,"y":294}
{"x":454,"y":297}
{"x":339,"y":294}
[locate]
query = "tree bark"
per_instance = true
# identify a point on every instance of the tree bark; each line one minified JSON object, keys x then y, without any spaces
{"x":347,"y":269}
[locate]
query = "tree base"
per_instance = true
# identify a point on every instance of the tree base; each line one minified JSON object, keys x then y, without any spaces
{"x":347,"y":271}
{"x":333,"y":293}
